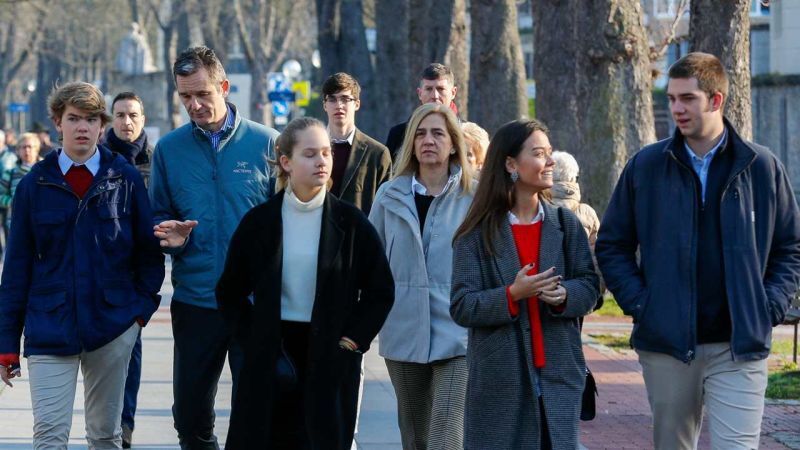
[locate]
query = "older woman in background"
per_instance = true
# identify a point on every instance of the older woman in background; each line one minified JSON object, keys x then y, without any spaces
{"x":416,"y":215}
{"x":28,"y":152}
{"x":477,"y":140}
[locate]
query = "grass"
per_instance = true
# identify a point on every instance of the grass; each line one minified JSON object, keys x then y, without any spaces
{"x":610,"y":308}
{"x":615,"y":341}
{"x":784,"y":382}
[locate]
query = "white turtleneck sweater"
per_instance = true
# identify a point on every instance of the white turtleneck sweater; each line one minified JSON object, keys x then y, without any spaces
{"x":302,"y":223}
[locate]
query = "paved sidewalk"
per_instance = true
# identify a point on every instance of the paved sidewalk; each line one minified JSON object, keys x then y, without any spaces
{"x":623,"y":415}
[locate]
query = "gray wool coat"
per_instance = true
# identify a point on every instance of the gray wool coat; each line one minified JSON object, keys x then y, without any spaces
{"x":502,"y":411}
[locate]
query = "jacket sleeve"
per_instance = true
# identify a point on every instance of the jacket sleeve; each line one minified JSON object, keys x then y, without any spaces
{"x":236,"y":284}
{"x":148,"y":259}
{"x":16,"y":279}
{"x":782,"y":273}
{"x":617,"y":244}
{"x":581,"y":280}
{"x":161,"y":197}
{"x":376,"y":286}
{"x":472,"y":304}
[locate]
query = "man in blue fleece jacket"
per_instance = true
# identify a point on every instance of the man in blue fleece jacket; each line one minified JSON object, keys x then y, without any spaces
{"x":205,"y":176}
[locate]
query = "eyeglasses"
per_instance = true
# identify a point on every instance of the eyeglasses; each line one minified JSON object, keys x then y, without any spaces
{"x":344,"y":99}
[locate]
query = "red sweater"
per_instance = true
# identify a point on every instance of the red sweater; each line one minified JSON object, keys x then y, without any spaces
{"x":527,"y":238}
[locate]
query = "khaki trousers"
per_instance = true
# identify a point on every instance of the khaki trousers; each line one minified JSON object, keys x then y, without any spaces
{"x":731,"y":392}
{"x":53,"y":380}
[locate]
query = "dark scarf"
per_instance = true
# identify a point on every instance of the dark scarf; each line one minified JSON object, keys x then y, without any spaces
{"x":134,"y":152}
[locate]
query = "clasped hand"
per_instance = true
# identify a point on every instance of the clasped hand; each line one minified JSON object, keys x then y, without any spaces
{"x":544,"y":285}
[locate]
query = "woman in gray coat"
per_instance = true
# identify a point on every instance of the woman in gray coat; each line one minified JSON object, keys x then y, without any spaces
{"x":522,"y":276}
{"x":416,"y":215}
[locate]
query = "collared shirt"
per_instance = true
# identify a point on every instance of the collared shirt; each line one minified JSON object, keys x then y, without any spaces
{"x":419,"y":188}
{"x":65,"y":162}
{"x":216,"y":136}
{"x":514,"y":220}
{"x":348,"y":139}
{"x":701,"y":165}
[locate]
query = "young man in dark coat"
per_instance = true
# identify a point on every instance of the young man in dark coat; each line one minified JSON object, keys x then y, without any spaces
{"x":82,"y":275}
{"x":127,"y":138}
{"x":717,"y":230}
{"x":360,"y":163}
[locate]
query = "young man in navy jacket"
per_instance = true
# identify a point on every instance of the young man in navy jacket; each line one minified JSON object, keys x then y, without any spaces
{"x":717,"y":229}
{"x":81,"y":276}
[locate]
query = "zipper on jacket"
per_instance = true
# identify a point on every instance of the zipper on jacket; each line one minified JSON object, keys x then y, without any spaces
{"x":693,"y":309}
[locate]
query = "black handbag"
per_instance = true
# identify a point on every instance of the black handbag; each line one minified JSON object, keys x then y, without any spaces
{"x":588,"y":404}
{"x":285,"y":372}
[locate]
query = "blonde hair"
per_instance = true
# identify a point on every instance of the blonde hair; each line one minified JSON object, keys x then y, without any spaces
{"x":33,"y":137}
{"x":407,"y":163}
{"x":477,"y":139}
{"x":284,"y":146}
{"x":83,"y":96}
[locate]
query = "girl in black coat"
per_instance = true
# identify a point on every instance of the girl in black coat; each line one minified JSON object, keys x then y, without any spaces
{"x":321,"y":289}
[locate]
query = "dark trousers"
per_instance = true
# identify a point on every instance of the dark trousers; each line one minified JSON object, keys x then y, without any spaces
{"x":288,"y":430}
{"x":202,"y":340}
{"x":132,"y":383}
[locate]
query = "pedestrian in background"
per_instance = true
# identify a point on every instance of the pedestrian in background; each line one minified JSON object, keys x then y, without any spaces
{"x":28,"y":152}
{"x":321,"y":289}
{"x":477,"y":140}
{"x":522,"y":277}
{"x":416,"y":215}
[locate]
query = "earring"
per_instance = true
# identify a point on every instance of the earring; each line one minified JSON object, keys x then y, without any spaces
{"x":514,"y":177}
{"x":452,"y":151}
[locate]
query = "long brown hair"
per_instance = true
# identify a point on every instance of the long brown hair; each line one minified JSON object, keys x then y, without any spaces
{"x":495,"y":194}
{"x":407,"y":163}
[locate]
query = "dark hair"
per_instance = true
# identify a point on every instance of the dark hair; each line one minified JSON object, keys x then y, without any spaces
{"x":83,"y":96}
{"x":285,"y":143}
{"x":706,"y":68}
{"x":127,"y":96}
{"x":341,"y":82}
{"x":434,"y":71}
{"x":195,"y":58}
{"x":495,"y":194}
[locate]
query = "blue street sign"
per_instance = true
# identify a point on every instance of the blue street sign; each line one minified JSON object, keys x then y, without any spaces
{"x":281,"y":96}
{"x":18,"y":107}
{"x":280,"y":109}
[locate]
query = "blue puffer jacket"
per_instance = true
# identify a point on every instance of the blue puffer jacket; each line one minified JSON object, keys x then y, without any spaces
{"x":654,"y":209}
{"x":189,"y":180}
{"x":78,"y":272}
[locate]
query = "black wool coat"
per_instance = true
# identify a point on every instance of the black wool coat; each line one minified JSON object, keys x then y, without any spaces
{"x":354,"y":294}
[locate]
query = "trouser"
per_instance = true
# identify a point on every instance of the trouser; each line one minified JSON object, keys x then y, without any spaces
{"x":132,"y":384}
{"x":430,"y":402}
{"x":53,"y":380}
{"x":202,"y":340}
{"x":288,"y":430}
{"x":732,"y":393}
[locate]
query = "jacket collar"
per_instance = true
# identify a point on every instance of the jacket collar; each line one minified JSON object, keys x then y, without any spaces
{"x":49,"y":171}
{"x":228,"y":132}
{"x":357,"y":154}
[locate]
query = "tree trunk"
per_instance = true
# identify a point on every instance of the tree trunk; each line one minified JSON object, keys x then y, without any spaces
{"x":723,"y":29}
{"x":328,"y":36}
{"x":593,"y":85}
{"x":457,"y":57}
{"x":391,"y":22}
{"x":356,"y":61}
{"x":497,"y":73}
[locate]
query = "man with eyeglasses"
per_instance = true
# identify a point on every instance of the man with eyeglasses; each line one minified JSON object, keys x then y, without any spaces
{"x":436,"y":85}
{"x":360,"y":163}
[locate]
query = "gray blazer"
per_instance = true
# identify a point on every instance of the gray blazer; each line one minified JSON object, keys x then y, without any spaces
{"x":419,"y":328}
{"x":501,"y":407}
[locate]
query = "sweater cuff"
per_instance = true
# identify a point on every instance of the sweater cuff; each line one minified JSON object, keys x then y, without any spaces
{"x":513,"y":307}
{"x":9,"y":360}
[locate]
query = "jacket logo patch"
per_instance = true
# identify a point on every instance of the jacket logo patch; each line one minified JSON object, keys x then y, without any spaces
{"x":241,"y":167}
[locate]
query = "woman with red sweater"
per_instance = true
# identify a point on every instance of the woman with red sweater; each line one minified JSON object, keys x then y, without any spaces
{"x":522,"y":276}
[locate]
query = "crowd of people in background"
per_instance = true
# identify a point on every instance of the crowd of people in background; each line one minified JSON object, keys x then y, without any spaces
{"x":471,"y":257}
